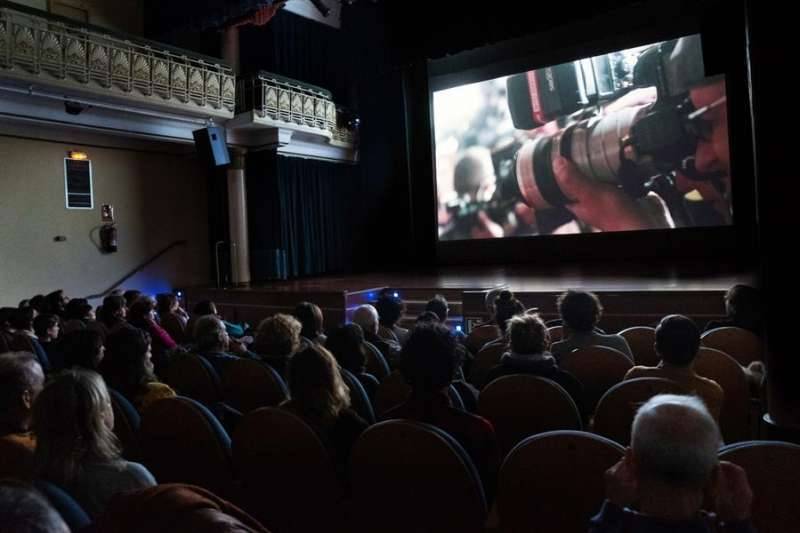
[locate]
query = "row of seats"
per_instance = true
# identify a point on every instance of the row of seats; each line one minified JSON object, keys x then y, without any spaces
{"x":599,"y":369}
{"x":406,"y":476}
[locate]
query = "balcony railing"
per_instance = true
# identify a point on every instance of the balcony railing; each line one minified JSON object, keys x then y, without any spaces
{"x":291,"y":103}
{"x":37,"y":47}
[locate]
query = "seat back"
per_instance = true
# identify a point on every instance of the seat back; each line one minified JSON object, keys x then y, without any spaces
{"x":480,"y":336}
{"x":70,"y":510}
{"x":617,"y":408}
{"x":359,"y":400}
{"x":556,"y":333}
{"x":248,"y":384}
{"x":407,"y":476}
{"x":194,"y":377}
{"x":376,"y":363}
{"x":484,"y":362}
{"x":773,"y":469}
{"x":521,"y":405}
{"x":734,"y":418}
{"x":392,"y":392}
{"x":183,"y":442}
{"x":642,"y":340}
{"x":741,"y":344}
{"x":554,"y":482}
{"x":598,"y":369}
{"x":126,"y":424}
{"x":287,"y":478}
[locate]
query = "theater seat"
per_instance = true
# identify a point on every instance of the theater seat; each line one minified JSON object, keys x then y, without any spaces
{"x":70,"y":510}
{"x":183,"y":442}
{"x":773,"y":469}
{"x":598,"y":369}
{"x":392,"y":392}
{"x":194,"y":377}
{"x":484,"y":362}
{"x":734,"y":418}
{"x":743,"y":345}
{"x":556,"y":333}
{"x":642,"y":340}
{"x":480,"y":335}
{"x":553,"y":482}
{"x":287,"y":479}
{"x":359,"y":401}
{"x":521,"y":405}
{"x":617,"y":408}
{"x":376,"y":363}
{"x":407,"y":476}
{"x":126,"y":424}
{"x":248,"y":384}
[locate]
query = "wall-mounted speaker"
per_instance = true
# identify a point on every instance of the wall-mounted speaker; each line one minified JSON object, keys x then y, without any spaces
{"x":212,"y":146}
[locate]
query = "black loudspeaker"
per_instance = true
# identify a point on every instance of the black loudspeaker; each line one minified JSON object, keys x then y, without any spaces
{"x":212,"y":146}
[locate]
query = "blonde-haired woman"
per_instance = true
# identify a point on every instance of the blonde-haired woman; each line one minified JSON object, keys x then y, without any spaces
{"x":75,"y":444}
{"x":320,"y":397}
{"x":277,"y":339}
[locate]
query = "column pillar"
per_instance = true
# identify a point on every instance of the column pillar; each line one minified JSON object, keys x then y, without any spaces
{"x":237,"y":218}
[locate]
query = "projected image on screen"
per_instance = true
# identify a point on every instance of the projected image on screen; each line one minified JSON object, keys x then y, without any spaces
{"x":631,"y":140}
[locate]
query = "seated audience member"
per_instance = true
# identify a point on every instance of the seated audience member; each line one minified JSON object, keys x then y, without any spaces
{"x":677,"y":343}
{"x":668,"y":472}
{"x":580,"y":312}
{"x":75,"y":446}
{"x":366,"y":316}
{"x":171,"y":317}
{"x":83,"y":348}
{"x":310,"y":317}
{"x":142,"y":314}
{"x":277,"y":340}
{"x":24,"y":510}
{"x":428,"y":363}
{"x":22,"y":323}
{"x":55,"y":302}
{"x":128,"y":368}
{"x":39,"y":303}
{"x":174,"y":507}
{"x":207,"y":307}
{"x":464,"y":357}
{"x":506,"y":306}
{"x":113,"y":313}
{"x":438,"y":305}
{"x":47,"y":328}
{"x":743,"y":309}
{"x":529,"y":342}
{"x":21,"y":380}
{"x":131,"y":296}
{"x":390,"y":308}
{"x":213,"y":343}
{"x":319,"y":396}
{"x":78,"y":314}
{"x":10,"y":339}
{"x":346,"y":343}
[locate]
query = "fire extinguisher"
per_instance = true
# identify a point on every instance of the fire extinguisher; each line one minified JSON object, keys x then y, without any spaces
{"x":108,"y":238}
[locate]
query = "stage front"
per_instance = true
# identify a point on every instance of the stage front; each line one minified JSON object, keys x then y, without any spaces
{"x":628,"y":299}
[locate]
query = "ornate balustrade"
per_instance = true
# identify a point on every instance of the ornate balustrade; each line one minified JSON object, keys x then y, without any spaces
{"x":44,"y":50}
{"x":286,"y":103}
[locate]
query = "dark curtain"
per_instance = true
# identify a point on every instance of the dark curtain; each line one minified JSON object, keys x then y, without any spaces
{"x":309,"y":209}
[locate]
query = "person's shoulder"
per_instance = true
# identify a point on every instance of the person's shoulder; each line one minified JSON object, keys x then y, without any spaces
{"x":709,"y":384}
{"x":477,"y":423}
{"x":138,"y":473}
{"x":350,"y":419}
{"x":642,"y":372}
